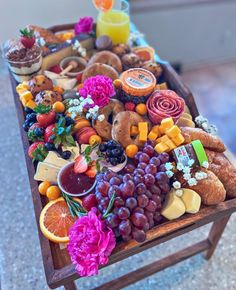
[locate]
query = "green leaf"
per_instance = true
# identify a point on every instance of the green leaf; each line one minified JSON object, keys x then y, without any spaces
{"x":88,"y":150}
{"x":42,"y":109}
{"x":110,"y":205}
{"x":70,"y":140}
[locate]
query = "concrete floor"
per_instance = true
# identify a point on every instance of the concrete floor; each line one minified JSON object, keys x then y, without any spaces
{"x":20,"y":257}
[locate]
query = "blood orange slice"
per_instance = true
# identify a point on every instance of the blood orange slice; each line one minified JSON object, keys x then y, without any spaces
{"x":146,"y":53}
{"x":55,"y":221}
{"x":103,"y":5}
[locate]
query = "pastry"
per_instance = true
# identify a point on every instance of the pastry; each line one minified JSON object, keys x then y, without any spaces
{"x":110,"y":111}
{"x":153,"y":67}
{"x":40,"y":83}
{"x":131,"y":60}
{"x":103,"y":42}
{"x":47,"y":98}
{"x":99,"y":69}
{"x":122,"y":126}
{"x":121,"y":49}
{"x":224,"y":170}
{"x":208,"y":141}
{"x":108,"y":58}
{"x":48,"y":36}
{"x":185,"y":121}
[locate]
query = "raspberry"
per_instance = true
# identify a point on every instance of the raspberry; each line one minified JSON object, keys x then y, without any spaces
{"x":129,"y":106}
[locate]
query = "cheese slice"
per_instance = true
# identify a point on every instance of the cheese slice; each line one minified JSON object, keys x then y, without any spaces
{"x":46,"y":172}
{"x":192,"y":200}
{"x":173,"y":207}
{"x":54,"y":159}
{"x":75,"y":151}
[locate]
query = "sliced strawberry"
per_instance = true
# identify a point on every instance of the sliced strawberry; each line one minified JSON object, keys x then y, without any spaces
{"x":92,"y":170}
{"x":49,"y":133}
{"x":46,"y":119}
{"x":89,"y":201}
{"x":81,"y":164}
{"x":33,"y":147}
{"x":129,"y":106}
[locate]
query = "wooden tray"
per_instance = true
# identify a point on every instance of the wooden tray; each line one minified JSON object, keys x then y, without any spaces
{"x":58,"y":268}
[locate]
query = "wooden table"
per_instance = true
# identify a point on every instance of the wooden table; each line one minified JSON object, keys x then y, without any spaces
{"x":58,"y":268}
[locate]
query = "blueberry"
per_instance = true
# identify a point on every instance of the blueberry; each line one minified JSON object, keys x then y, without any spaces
{"x":114,"y":161}
{"x":109,"y":153}
{"x":25,"y":127}
{"x":117,"y":152}
{"x":121,"y":159}
{"x":28,"y":110}
{"x":31,"y":117}
{"x":39,"y":132}
{"x":102,"y":147}
{"x":111,"y":144}
{"x":69,"y":121}
{"x":66,"y":154}
{"x":58,"y":116}
{"x":50,"y":146}
{"x":31,"y":124}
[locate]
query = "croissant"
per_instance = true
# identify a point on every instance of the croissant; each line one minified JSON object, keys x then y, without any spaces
{"x":224,"y":170}
{"x":208,"y":141}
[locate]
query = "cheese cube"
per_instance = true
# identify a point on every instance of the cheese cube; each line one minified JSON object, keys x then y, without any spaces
{"x":161,"y":147}
{"x":25,"y":97}
{"x":46,"y":172}
{"x":173,"y":207}
{"x":163,"y":86}
{"x":134,"y":131}
{"x":170,"y":144}
{"x":162,"y":130}
{"x":143,"y":131}
{"x":22,"y":87}
{"x":167,"y":123}
{"x":178,"y":140}
{"x":152,"y":136}
{"x":31,"y":104}
{"x":192,"y":200}
{"x":173,"y":131}
{"x":156,"y":130}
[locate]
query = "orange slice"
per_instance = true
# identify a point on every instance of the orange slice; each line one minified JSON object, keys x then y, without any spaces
{"x":55,"y":221}
{"x":103,"y":5}
{"x":146,"y":53}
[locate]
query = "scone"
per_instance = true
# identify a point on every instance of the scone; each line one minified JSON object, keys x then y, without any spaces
{"x":40,"y":83}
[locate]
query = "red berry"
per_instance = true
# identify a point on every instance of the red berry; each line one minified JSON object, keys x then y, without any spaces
{"x":49,"y":133}
{"x":92,"y":170}
{"x":33,"y":147}
{"x":27,"y":42}
{"x":129,"y":106}
{"x":46,"y":119}
{"x":81,"y":164}
{"x":89,"y":201}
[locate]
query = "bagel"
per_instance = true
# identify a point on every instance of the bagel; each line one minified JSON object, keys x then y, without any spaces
{"x":108,"y":58}
{"x":104,"y":127}
{"x":100,"y":69}
{"x":122,"y":126}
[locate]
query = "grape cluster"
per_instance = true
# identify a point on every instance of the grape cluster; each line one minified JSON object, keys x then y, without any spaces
{"x":139,"y":192}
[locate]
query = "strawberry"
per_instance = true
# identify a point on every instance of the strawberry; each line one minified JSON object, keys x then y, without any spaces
{"x":81,"y":164}
{"x":92,"y":170}
{"x":37,"y":151}
{"x":35,"y":125}
{"x":48,"y":134}
{"x":45,"y":115}
{"x":27,"y":38}
{"x":89,"y":201}
{"x":129,"y":106}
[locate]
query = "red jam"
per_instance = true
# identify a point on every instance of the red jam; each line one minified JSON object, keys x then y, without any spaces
{"x":75,"y":183}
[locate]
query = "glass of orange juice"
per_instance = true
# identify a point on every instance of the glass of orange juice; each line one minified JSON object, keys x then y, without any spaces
{"x":115,"y":23}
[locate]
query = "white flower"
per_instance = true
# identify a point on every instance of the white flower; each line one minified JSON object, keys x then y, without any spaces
{"x":101,"y":118}
{"x":73,"y":115}
{"x":199,"y":175}
{"x":169,"y":173}
{"x":190,"y":162}
{"x":179,"y":192}
{"x":205,"y":164}
{"x":187,"y":176}
{"x":186,"y":170}
{"x":192,"y":181}
{"x":169,"y":166}
{"x":205,"y":125}
{"x":180,"y":166}
{"x":176,"y":185}
{"x":90,"y":101}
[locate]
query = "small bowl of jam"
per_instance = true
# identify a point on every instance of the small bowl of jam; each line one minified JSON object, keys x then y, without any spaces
{"x":74,"y":184}
{"x":78,"y":69}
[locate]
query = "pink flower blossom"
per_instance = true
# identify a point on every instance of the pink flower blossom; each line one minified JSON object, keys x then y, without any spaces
{"x":84,"y":25}
{"x":100,"y":88}
{"x":91,"y":243}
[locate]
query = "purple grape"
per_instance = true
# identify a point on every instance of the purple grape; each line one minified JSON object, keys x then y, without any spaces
{"x":139,"y":171}
{"x":104,"y":202}
{"x":149,"y":215}
{"x":146,"y":227}
{"x":126,"y":238}
{"x":136,"y":157}
{"x":164,"y":157}
{"x":127,"y":177}
{"x":155,"y":161}
{"x":138,"y":235}
{"x":101,"y":209}
{"x":138,"y":219}
{"x":112,"y":221}
{"x":149,"y":179}
{"x":155,"y":189}
{"x":140,"y":188}
{"x":99,"y":177}
{"x":127,"y":189}
{"x":149,"y":143}
{"x":131,"y":203}
{"x":157,"y":216}
{"x":108,"y":175}
{"x":151,"y":224}
{"x":148,"y":193}
{"x":123,"y":213}
{"x":151,"y":168}
{"x":162,"y":168}
{"x":156,"y":198}
{"x":103,"y":187}
{"x":161,"y":178}
{"x":119,"y":202}
{"x":114,"y":189}
{"x":165,"y":188}
{"x":99,"y":195}
{"x":129,"y":168}
{"x":138,"y":179}
{"x":139,"y":210}
{"x":144,"y":158}
{"x":116,"y":232}
{"x":142,"y":200}
{"x":142,"y":165}
{"x":151,"y":206}
{"x":148,"y":149}
{"x":125,"y":228}
{"x":115,"y":181}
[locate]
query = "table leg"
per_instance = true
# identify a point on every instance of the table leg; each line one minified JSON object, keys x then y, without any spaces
{"x":215,"y":234}
{"x":70,"y":286}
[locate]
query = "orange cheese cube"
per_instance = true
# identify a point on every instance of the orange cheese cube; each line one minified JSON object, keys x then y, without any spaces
{"x":152,"y":136}
{"x":173,"y":131}
{"x":31,"y":104}
{"x":134,"y":131}
{"x":178,"y":140}
{"x":170,"y":144}
{"x":162,"y":130}
{"x":143,"y":131}
{"x":25,"y":97}
{"x":161,"y":147}
{"x":163,"y":86}
{"x":156,"y":129}
{"x":167,"y":123}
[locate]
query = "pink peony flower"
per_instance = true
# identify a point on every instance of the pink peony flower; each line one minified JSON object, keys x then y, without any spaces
{"x":84,"y":25}
{"x":100,"y":88}
{"x":91,"y":243}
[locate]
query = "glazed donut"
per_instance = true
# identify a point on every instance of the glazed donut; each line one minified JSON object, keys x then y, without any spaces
{"x":40,"y":83}
{"x":122,"y":126}
{"x":47,"y":98}
{"x":110,"y":111}
{"x":100,"y":69}
{"x":107,"y":57}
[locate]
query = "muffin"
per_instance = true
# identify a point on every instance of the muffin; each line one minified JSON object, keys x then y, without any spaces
{"x":47,"y":98}
{"x":40,"y":83}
